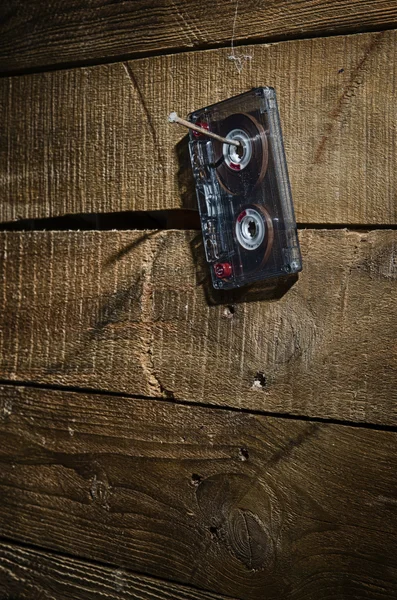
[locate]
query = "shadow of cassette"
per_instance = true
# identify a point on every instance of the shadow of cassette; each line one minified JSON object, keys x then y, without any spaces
{"x":185,"y":179}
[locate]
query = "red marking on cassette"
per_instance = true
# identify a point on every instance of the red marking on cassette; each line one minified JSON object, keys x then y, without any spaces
{"x":235,"y":166}
{"x":204,"y":125}
{"x":241,"y":216}
{"x":223,"y":270}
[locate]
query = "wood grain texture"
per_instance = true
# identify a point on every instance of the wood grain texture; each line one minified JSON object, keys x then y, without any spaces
{"x":131,"y":312}
{"x":40,"y":34}
{"x":98,"y":140}
{"x":242,"y":505}
{"x":27,"y":573}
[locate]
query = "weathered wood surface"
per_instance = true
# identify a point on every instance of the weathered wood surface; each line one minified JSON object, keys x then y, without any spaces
{"x":38,"y":34}
{"x":31,"y":573}
{"x":239,"y":504}
{"x":98,"y":140}
{"x":123,"y":311}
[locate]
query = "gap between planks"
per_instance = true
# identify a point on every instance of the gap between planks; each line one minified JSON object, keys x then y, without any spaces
{"x":156,"y":220}
{"x":189,"y":403}
{"x":225,"y":45}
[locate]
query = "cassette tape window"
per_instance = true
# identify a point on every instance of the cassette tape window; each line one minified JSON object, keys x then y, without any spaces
{"x":243,"y":190}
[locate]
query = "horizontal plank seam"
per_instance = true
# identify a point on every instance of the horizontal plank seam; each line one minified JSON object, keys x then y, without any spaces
{"x":359,"y":227}
{"x":158,"y":220}
{"x":175,"y":218}
{"x":191,"y":404}
{"x":97,"y":563}
{"x":276,"y":39}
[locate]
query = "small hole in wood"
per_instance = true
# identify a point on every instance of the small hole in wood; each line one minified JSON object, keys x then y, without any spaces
{"x":214,"y":532}
{"x":260,"y":381}
{"x":229,"y":311}
{"x":196,"y":479}
{"x":243,"y":454}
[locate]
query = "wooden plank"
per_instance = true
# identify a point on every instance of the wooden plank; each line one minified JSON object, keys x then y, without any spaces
{"x":98,"y":140}
{"x":131,"y":312}
{"x":76,"y":31}
{"x":239,"y":504}
{"x":32,"y":573}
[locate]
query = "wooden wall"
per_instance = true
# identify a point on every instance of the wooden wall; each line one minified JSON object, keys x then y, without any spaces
{"x":158,"y":440}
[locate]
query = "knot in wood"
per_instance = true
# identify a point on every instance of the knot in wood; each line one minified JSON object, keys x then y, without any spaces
{"x":234,"y":507}
{"x":248,"y":539}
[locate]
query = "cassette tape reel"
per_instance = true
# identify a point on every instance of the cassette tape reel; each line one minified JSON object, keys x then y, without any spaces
{"x":240,"y":170}
{"x":243,"y":191}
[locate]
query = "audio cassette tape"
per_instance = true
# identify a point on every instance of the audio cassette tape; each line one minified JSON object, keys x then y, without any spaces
{"x":243,"y":190}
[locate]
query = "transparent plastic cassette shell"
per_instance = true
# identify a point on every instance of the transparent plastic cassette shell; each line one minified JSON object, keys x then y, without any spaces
{"x":244,"y":195}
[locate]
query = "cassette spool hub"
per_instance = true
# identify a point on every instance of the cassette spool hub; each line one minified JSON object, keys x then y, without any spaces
{"x":241,"y":169}
{"x":250,"y":229}
{"x":237,"y":158}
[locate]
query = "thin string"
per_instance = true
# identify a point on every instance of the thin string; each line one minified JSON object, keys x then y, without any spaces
{"x":239,"y":59}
